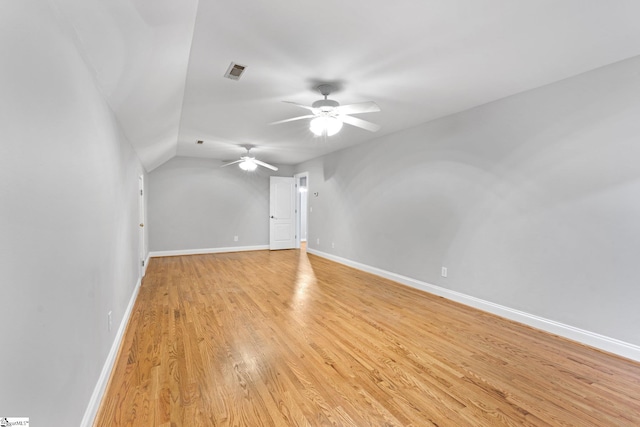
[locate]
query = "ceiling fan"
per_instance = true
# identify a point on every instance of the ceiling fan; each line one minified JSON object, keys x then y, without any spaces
{"x":328,"y":115}
{"x":249,"y":162}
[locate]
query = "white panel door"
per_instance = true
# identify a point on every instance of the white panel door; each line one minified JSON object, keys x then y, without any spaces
{"x":282,"y":219}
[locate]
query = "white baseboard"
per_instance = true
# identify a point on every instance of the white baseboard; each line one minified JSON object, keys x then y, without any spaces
{"x":592,"y":339}
{"x":98,"y":392}
{"x":156,"y":254}
{"x":146,"y":264}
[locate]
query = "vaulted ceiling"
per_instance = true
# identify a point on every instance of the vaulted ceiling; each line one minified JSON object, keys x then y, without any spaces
{"x":160,"y":63}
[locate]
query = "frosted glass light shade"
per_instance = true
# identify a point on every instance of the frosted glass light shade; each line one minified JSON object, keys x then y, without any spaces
{"x":325,"y":125}
{"x":248,"y":165}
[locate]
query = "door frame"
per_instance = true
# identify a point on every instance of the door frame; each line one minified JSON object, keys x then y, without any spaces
{"x":299,"y":207}
{"x":142,"y":234}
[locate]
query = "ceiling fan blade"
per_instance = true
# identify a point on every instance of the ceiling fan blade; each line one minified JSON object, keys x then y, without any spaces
{"x":307,"y":107}
{"x":266,"y":165}
{"x":293,"y":119}
{"x":354,"y":121}
{"x":232,"y":163}
{"x":361,"y":107}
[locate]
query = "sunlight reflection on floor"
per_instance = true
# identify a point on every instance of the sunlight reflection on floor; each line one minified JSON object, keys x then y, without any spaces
{"x":305,"y":278}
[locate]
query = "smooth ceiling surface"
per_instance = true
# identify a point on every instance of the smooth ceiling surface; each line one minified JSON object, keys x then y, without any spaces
{"x":160,"y":64}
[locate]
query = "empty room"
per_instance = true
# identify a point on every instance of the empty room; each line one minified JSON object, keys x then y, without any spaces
{"x":320,"y":213}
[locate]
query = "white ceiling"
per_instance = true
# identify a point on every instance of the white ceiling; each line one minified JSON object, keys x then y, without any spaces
{"x":160,"y":63}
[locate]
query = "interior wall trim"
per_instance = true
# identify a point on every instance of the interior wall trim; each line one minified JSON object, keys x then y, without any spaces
{"x":592,"y":339}
{"x":98,"y":391}
{"x":156,"y":254}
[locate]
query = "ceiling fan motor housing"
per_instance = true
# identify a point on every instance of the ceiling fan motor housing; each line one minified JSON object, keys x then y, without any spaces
{"x":325,"y":105}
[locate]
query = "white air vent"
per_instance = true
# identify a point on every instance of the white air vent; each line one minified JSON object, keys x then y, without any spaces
{"x":234,"y":72}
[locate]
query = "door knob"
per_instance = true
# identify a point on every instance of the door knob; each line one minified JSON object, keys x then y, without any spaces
{"x":141,"y":225}
{"x":271,"y":216}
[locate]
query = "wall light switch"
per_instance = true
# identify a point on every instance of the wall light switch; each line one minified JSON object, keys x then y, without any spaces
{"x":444,"y":272}
{"x":235,"y":238}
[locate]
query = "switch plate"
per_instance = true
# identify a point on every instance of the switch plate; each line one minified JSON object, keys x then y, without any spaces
{"x":444,"y":272}
{"x":235,"y":238}
{"x":318,"y":241}
{"x":109,"y":322}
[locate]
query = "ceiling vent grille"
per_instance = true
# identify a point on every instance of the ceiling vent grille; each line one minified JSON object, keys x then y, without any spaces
{"x":234,"y":72}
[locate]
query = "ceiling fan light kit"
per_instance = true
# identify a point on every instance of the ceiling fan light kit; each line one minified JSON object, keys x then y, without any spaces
{"x":325,"y":125}
{"x":248,"y":165}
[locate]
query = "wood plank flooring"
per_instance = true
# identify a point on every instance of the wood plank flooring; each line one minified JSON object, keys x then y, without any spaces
{"x":289,"y":339}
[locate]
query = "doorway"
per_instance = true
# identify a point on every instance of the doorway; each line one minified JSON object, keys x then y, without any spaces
{"x":302,"y":186}
{"x":141,"y":234}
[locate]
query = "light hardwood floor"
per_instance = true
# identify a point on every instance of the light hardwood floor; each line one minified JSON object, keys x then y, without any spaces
{"x":285,"y":338}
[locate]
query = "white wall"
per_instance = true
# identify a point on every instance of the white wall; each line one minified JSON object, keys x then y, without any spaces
{"x":68,"y":220}
{"x":532,"y":202}
{"x":196,"y":204}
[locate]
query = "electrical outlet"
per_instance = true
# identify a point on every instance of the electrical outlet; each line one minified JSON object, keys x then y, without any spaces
{"x":235,"y":238}
{"x":333,"y":245}
{"x":318,"y":241}
{"x":444,"y":272}
{"x":109,"y":322}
